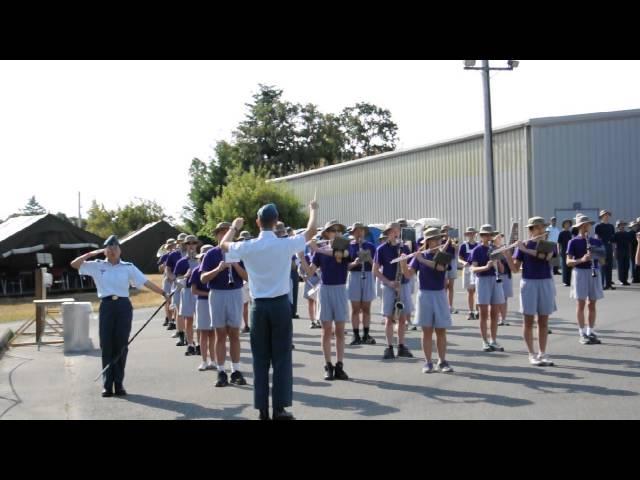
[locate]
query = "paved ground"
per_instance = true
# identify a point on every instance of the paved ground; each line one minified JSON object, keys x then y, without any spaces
{"x":592,"y":381}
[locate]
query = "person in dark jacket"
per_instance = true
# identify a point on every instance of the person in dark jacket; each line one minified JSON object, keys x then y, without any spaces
{"x":563,"y":240}
{"x":622,"y":241}
{"x":604,"y":230}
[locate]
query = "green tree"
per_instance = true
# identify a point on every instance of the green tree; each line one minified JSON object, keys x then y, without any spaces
{"x":368,"y":130}
{"x":123,"y":220}
{"x":101,"y":221}
{"x":245,"y":193}
{"x":33,"y":208}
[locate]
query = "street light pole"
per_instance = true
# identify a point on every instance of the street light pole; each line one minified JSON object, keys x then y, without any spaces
{"x":488,"y":146}
{"x":488,"y":133}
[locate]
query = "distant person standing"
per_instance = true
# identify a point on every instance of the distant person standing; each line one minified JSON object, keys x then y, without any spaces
{"x":634,"y":226}
{"x":605,"y":231}
{"x":563,"y":241}
{"x":554,"y":233}
{"x":622,"y":241}
{"x":112,"y":278}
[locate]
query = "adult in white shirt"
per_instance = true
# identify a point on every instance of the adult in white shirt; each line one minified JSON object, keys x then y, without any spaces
{"x":267,"y":260}
{"x":112,"y":278}
{"x":554,"y":233}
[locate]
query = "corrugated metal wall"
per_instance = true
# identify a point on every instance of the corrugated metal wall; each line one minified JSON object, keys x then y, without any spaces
{"x":596,"y":163}
{"x":444,"y":181}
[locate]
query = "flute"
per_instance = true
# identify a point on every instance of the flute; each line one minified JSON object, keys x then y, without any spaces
{"x":515,"y":244}
{"x":442,"y":247}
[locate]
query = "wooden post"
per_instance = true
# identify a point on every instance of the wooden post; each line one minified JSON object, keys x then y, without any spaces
{"x":41,"y":294}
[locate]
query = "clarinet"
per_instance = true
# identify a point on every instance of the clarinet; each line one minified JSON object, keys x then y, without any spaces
{"x":593,"y":263}
{"x":399,"y":306}
{"x":231,"y":281}
{"x":497,"y":272}
{"x":363,"y":276}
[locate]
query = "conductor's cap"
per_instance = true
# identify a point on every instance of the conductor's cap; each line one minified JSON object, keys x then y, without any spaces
{"x":268,"y":213}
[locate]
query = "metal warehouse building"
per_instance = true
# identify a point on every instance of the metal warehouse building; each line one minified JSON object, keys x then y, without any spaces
{"x":545,"y":166}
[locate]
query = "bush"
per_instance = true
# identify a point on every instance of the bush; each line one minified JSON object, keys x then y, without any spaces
{"x":244,"y":194}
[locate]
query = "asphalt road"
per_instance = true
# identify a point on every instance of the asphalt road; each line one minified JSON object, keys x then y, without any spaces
{"x":588,"y":381}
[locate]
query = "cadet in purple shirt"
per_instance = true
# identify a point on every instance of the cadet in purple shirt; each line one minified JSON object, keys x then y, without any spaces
{"x":225,"y":305}
{"x":309,"y":283}
{"x":169,"y":246}
{"x":333,"y":298}
{"x":452,"y":273}
{"x":170,"y":264}
{"x":433,"y":307}
{"x":386,"y":273}
{"x":361,"y":286}
{"x":186,"y":310}
{"x":206,"y":332}
{"x":537,"y":290}
{"x":586,"y":278}
{"x":488,"y":288}
{"x":468,"y":278}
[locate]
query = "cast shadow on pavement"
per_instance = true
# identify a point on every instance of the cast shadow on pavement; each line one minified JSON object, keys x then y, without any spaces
{"x":185,"y":410}
{"x":449,"y":396}
{"x":358,"y":406}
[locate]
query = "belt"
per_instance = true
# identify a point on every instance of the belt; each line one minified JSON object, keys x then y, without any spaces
{"x":111,"y":298}
{"x":266,"y":299}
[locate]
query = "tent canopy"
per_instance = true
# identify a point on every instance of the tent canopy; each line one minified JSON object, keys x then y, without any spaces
{"x":140,"y":247}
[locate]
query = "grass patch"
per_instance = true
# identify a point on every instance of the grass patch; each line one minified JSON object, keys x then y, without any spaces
{"x":19,"y":309}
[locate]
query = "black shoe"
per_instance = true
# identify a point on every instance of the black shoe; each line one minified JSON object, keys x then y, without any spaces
{"x":222,"y":379}
{"x":626,"y":284}
{"x":293,"y":347}
{"x":182,"y":342}
{"x":246,"y":330}
{"x":107,"y":392}
{"x":237,"y":378}
{"x":328,"y":372}
{"x":120,"y":391}
{"x":404,"y":352}
{"x":172,"y":326}
{"x":356,"y":340}
{"x":594,"y":339}
{"x":388,"y":353}
{"x":339,"y":373}
{"x":566,"y":285}
{"x":191,"y":350}
{"x":414,"y":328}
{"x":296,"y":316}
{"x":282,"y":414}
{"x":368,"y":340}
{"x":198,"y":352}
{"x":549,"y":332}
{"x":264,"y":415}
{"x":166,"y":321}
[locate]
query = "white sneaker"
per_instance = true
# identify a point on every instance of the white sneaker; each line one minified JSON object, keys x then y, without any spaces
{"x":545,"y":360}
{"x":211,"y":366}
{"x":534,"y":360}
{"x":452,"y":310}
{"x":202,"y":367}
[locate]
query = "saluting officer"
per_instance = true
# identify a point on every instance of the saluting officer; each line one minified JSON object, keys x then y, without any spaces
{"x":112,"y":278}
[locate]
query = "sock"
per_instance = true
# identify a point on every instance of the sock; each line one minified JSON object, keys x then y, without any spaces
{"x":356,"y":332}
{"x":589,"y":331}
{"x":580,"y":331}
{"x":221,"y":368}
{"x":366,"y":331}
{"x":235,"y":367}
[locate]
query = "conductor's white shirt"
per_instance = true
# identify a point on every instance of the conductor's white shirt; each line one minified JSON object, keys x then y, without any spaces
{"x":113,"y":279}
{"x":267,"y":260}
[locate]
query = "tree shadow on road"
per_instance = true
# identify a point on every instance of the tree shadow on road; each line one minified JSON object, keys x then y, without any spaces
{"x":186,"y":410}
{"x":449,"y":396}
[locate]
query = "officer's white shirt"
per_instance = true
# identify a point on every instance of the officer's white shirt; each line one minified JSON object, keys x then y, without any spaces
{"x":554,"y":233}
{"x":113,"y":279}
{"x":267,"y":260}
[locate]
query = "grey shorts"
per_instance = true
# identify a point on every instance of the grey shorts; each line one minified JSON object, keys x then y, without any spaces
{"x":361,"y":290}
{"x":584,"y":286}
{"x":166,"y":285}
{"x":468,"y":278}
{"x":225,"y":308}
{"x":412,"y":282}
{"x":334,"y":303}
{"x":175,"y":300}
{"x":203,"y":316}
{"x":453,"y":273}
{"x":187,"y":303}
{"x":488,"y":291}
{"x":433,"y":309}
{"x":389,"y":299}
{"x":313,"y":281}
{"x":537,"y":296}
{"x":507,"y":286}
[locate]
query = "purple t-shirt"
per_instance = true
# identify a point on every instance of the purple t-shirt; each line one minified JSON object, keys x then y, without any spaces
{"x":182,"y":267}
{"x":173,"y":258}
{"x":221,"y":282}
{"x":480,"y":255}
{"x":195,"y":280}
{"x":331,"y":272}
{"x":353,"y":253}
{"x":577,"y":248}
{"x":533,"y":268}
{"x":163,"y":259}
{"x":384,"y":254}
{"x":465,"y":250}
{"x":429,"y":278}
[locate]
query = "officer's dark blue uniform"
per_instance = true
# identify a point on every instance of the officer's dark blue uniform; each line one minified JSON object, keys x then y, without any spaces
{"x":605,"y":232}
{"x":112,"y":283}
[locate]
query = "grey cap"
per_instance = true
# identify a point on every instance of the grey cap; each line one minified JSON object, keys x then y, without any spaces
{"x":112,"y":241}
